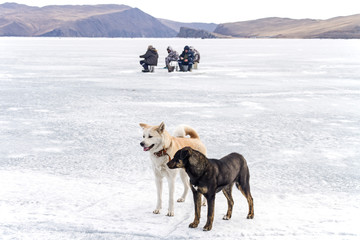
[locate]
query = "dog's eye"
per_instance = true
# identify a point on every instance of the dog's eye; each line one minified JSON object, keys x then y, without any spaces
{"x":150,"y":136}
{"x":143,"y":136}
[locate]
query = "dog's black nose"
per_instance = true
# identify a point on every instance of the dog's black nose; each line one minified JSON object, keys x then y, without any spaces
{"x":171,"y":164}
{"x":142,"y":144}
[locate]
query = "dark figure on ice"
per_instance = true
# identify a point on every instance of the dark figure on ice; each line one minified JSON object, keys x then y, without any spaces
{"x":186,"y":59}
{"x":150,"y":58}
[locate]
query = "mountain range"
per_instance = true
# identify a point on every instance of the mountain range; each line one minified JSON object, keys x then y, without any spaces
{"x":338,"y":27}
{"x":111,"y":20}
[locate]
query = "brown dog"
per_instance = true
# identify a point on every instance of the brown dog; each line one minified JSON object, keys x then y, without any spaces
{"x":209,"y":176}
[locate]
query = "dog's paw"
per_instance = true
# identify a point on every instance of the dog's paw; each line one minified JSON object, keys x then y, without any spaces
{"x":226,"y":217}
{"x":207,"y":228}
{"x":250,"y":216}
{"x":156,"y":211}
{"x":170,"y":214}
{"x":181,"y":200}
{"x":193,"y":225}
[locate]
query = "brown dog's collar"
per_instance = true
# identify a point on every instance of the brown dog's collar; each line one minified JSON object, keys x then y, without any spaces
{"x":162,"y":153}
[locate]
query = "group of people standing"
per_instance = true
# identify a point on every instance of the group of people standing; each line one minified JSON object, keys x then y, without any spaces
{"x":188,"y":58}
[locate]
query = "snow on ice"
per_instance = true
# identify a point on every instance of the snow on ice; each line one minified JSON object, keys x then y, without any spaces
{"x":71,"y":166}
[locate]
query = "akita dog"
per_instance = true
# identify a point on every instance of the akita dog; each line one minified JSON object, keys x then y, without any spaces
{"x":162,"y":147}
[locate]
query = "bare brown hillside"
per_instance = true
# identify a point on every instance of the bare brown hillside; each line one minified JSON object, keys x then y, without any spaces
{"x":111,"y":20}
{"x":106,"y":20}
{"x":339,"y":27}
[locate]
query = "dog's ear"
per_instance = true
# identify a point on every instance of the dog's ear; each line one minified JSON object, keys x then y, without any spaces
{"x":144,"y":125}
{"x":161,"y":128}
{"x":189,"y":150}
{"x":192,"y":156}
{"x":186,"y":153}
{"x":198,"y":163}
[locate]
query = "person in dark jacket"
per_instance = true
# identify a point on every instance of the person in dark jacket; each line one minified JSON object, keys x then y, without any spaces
{"x":150,"y":58}
{"x":186,"y":58}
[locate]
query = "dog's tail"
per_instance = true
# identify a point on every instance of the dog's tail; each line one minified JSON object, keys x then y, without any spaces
{"x":184,"y":130}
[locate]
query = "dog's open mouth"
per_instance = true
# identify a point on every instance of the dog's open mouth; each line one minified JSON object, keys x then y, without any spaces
{"x":148,"y":148}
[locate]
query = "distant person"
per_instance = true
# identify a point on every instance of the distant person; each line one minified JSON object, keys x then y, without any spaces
{"x":196,"y":54}
{"x":150,"y":58}
{"x":186,"y":58}
{"x":172,"y":56}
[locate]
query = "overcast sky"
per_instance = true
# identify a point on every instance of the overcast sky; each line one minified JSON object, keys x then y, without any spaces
{"x":222,"y":11}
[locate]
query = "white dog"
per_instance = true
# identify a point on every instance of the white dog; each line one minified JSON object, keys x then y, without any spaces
{"x":162,"y":147}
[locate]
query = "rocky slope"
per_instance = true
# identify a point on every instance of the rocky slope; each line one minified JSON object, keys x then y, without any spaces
{"x":111,"y":20}
{"x":80,"y":21}
{"x":198,"y":33}
{"x":339,"y":27}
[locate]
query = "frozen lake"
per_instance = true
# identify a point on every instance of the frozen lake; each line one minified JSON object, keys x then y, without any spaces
{"x":71,"y":166}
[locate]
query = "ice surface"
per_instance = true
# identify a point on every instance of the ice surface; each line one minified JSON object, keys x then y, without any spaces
{"x":71,"y":166}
